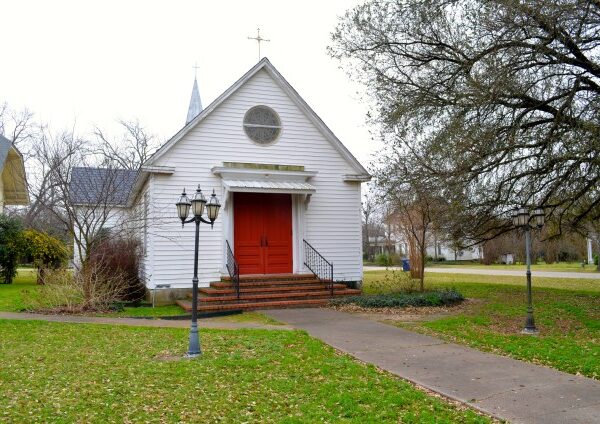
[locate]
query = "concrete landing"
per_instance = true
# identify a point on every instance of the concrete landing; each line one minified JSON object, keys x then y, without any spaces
{"x":506,"y":388}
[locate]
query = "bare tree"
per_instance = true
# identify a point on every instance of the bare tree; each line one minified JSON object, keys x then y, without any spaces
{"x":19,"y":127}
{"x":498,"y":100}
{"x":369,"y":210}
{"x":415,"y":204}
{"x":129,"y":151}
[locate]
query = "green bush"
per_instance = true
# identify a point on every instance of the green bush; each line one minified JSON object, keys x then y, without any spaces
{"x":401,"y":300}
{"x":395,"y":281}
{"x":10,"y":247}
{"x":45,"y":251}
{"x":383,"y":260}
{"x":596,"y":259}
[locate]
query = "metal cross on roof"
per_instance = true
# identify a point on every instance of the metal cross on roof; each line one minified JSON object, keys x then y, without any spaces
{"x":196,"y":67}
{"x":258,"y":38}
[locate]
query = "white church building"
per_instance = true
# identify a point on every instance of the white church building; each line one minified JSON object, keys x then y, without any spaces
{"x":287,"y":186}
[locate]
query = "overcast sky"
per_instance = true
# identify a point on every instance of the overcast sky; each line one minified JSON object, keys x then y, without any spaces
{"x":95,"y":62}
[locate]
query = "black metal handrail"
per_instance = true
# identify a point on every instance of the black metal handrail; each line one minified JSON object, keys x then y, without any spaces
{"x":318,"y":265}
{"x":233,"y":269}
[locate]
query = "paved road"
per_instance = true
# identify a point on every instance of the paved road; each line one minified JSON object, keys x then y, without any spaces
{"x":505,"y":388}
{"x":518,"y":273}
{"x":140,"y":322}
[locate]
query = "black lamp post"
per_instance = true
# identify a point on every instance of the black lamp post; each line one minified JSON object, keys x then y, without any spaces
{"x":522,"y":219}
{"x":197,"y":204}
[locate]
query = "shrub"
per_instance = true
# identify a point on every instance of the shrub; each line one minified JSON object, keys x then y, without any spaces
{"x":396,"y":282}
{"x":91,"y":290}
{"x":107,"y":278}
{"x":44,"y":251}
{"x":383,"y":260}
{"x":119,"y":257}
{"x":596,"y":259}
{"x":430,"y":298}
{"x":10,"y":247}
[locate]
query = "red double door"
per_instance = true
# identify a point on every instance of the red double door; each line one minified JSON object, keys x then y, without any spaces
{"x":263,"y":232}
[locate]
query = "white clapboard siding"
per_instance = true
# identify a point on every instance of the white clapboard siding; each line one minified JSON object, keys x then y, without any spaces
{"x":144,"y":211}
{"x":332,"y":221}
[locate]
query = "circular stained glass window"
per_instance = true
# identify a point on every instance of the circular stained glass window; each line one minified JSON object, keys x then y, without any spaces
{"x":262,"y":124}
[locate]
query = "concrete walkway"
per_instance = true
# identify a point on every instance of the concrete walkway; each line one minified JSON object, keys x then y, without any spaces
{"x":516,"y":273}
{"x":140,"y":322}
{"x":505,"y":388}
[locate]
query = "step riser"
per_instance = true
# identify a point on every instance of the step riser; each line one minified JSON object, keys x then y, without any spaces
{"x":272,"y":277}
{"x":266,"y":287}
{"x":222,"y":284}
{"x":210,"y":291}
{"x":268,"y":292}
{"x":253,"y":306}
{"x":298,"y":293}
{"x":264,"y":299}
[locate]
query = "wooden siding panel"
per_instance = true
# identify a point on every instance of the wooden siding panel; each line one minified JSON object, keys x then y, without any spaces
{"x":332,"y":220}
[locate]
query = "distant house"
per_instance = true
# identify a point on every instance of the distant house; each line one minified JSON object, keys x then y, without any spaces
{"x":287,"y":185}
{"x":442,"y":250}
{"x":383,"y":245}
{"x":13,"y":183}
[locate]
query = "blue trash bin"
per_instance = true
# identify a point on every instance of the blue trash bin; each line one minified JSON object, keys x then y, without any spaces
{"x":405,"y":264}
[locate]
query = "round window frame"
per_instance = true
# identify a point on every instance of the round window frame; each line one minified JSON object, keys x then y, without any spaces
{"x":269,"y":143}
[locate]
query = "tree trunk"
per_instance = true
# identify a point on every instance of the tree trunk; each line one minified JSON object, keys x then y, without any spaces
{"x":598,"y":244}
{"x":40,"y":275}
{"x":423,"y":251}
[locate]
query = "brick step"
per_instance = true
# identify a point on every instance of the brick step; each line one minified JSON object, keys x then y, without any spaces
{"x":288,"y":295}
{"x":305,"y":303}
{"x":271,"y":283}
{"x":212,"y":291}
{"x":272,"y":277}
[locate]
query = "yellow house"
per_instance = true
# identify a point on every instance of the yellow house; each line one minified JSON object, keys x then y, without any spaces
{"x":13,"y":183}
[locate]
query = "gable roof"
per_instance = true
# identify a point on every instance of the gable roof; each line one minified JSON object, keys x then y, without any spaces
{"x":12,"y":168}
{"x":361,"y":172}
{"x":101,"y":186}
{"x":5,"y":145}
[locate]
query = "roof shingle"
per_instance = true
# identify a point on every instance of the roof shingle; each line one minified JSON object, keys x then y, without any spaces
{"x":101,"y":186}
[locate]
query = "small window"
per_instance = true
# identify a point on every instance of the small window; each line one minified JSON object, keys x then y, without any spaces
{"x":262,"y":124}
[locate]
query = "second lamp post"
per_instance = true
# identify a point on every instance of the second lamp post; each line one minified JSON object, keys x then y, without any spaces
{"x":522,"y":219}
{"x":197,"y":204}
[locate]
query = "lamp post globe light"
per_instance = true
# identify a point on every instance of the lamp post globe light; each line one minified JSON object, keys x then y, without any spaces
{"x":522,"y":218}
{"x":198,"y":204}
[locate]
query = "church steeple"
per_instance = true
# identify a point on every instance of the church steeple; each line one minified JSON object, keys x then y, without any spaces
{"x":195,"y":103}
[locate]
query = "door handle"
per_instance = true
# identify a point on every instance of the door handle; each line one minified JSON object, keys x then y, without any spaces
{"x":261,"y":241}
{"x":266,"y":242}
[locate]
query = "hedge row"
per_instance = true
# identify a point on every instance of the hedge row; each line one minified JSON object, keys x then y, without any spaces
{"x":429,"y":298}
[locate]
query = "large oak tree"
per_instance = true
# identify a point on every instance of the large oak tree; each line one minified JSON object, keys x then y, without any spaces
{"x":498,"y":100}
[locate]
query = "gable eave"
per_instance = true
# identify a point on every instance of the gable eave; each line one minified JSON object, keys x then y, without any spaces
{"x":292,"y":94}
{"x":316,"y":120}
{"x":205,"y":112}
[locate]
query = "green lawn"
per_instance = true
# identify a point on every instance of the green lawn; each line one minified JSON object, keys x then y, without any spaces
{"x":54,"y":372}
{"x":556,"y":267}
{"x":567,"y":312}
{"x":13,"y":298}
